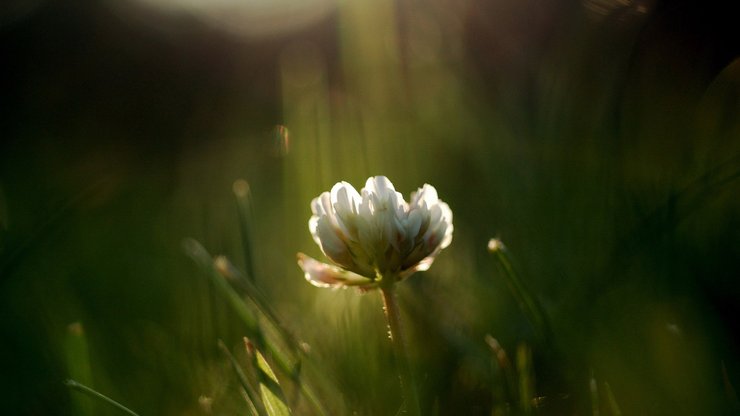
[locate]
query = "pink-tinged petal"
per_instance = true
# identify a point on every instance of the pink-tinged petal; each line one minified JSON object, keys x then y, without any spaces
{"x":325,"y":275}
{"x":435,"y":236}
{"x":399,"y":232}
{"x":421,"y":266}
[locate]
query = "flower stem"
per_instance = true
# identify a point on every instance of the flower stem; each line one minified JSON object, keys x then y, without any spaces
{"x":393,"y":315}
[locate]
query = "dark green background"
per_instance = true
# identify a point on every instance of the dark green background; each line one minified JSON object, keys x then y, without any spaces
{"x":604,"y":150}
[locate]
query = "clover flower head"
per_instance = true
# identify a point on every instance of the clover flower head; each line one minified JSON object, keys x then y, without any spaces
{"x":375,"y":235}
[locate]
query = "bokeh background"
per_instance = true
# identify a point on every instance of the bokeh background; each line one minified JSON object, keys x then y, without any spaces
{"x":598,"y":139}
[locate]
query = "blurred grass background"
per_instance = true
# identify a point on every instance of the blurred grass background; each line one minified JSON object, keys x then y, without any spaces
{"x":598,"y":139}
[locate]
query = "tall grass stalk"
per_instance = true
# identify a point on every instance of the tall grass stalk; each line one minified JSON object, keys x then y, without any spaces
{"x":243,"y":197}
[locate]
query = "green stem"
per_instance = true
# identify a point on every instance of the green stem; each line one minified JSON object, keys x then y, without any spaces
{"x":527,"y":302}
{"x":393,"y":315}
{"x":100,"y":396}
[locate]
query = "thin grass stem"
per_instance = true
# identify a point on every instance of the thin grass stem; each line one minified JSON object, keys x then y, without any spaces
{"x":393,"y":316}
{"x":527,"y":302}
{"x":99,"y":396}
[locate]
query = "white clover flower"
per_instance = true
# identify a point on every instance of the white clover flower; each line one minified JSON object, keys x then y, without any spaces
{"x":375,"y":235}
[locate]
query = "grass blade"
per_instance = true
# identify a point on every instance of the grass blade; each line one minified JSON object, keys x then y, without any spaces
{"x":611,"y":401}
{"x":243,"y":197}
{"x":526,"y":378}
{"x":253,"y":401}
{"x":77,"y":356}
{"x":528,"y":303}
{"x":261,"y":324}
{"x":508,"y":387}
{"x":99,"y":396}
{"x":593,"y":388}
{"x":272,"y":394}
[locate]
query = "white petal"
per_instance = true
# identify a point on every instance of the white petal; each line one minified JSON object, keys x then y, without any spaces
{"x":435,"y":235}
{"x":325,"y":202}
{"x":313,"y":223}
{"x":377,"y":231}
{"x":345,"y":198}
{"x":447,"y":218}
{"x":413,"y":223}
{"x":435,"y":215}
{"x":324,"y":275}
{"x":316,"y":206}
{"x":426,"y":196}
{"x":345,"y":201}
{"x":365,"y":208}
{"x":379,"y":185}
{"x":331,"y":244}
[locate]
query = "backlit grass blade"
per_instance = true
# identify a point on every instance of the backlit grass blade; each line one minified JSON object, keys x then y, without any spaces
{"x":77,"y":358}
{"x":251,"y":395}
{"x":261,"y":324}
{"x":275,"y":331}
{"x":273,"y":396}
{"x":611,"y":401}
{"x":593,"y":388}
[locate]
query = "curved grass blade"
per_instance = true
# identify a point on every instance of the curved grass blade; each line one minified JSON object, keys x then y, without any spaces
{"x":99,"y":396}
{"x":528,"y":303}
{"x":77,"y":356}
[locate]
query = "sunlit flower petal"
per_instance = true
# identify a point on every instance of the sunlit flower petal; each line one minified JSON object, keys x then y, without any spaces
{"x":324,"y":275}
{"x":375,"y":234}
